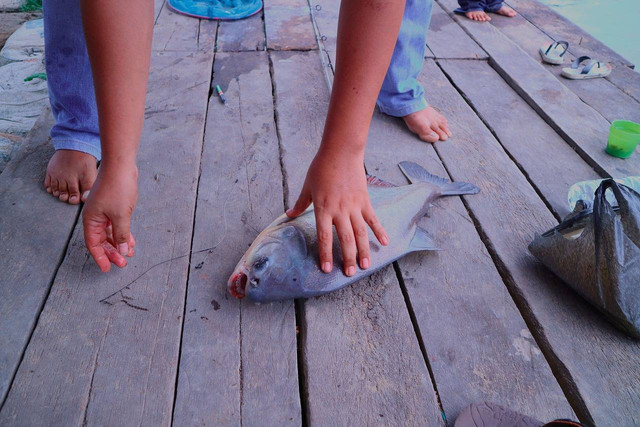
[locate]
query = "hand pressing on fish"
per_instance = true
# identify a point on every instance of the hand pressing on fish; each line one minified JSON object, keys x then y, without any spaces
{"x":282,"y":261}
{"x":337,"y":186}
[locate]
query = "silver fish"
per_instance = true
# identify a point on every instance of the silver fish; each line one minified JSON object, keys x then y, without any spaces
{"x":282,"y":262}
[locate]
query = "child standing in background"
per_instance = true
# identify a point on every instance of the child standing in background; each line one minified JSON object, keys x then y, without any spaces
{"x":476,"y":10}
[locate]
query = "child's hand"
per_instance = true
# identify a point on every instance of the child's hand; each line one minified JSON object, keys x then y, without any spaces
{"x":337,"y":185}
{"x":107,"y":214}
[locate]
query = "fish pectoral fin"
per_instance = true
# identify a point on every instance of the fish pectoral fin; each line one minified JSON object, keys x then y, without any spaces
{"x":422,"y":241}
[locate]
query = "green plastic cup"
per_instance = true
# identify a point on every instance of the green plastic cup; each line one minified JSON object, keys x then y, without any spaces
{"x":624,"y":136}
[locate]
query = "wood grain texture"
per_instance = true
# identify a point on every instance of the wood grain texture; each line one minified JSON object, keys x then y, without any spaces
{"x":549,"y":162}
{"x":627,"y":80}
{"x":29,"y":257}
{"x":578,"y":123}
{"x":595,"y":364}
{"x":478,"y":345}
{"x":601,"y":94}
{"x":94,"y":363}
{"x":288,"y":25}
{"x":354,"y":372}
{"x":447,"y":40}
{"x":238,"y":360}
{"x":176,"y":32}
{"x":241,"y":35}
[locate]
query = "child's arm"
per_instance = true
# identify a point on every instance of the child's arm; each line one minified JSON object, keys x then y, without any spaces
{"x":118,"y":34}
{"x":336,"y":181}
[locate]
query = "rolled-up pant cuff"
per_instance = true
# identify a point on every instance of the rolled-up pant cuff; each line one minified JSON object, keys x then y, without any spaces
{"x":77,"y":145}
{"x":412,"y":107}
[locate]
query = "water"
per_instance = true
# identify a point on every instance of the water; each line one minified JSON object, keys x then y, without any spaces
{"x":613,"y":22}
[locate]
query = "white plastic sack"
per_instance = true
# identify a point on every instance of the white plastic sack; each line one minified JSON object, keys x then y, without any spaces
{"x":26,"y":43}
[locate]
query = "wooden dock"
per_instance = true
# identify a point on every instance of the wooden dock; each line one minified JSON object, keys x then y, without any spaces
{"x":411,"y":345}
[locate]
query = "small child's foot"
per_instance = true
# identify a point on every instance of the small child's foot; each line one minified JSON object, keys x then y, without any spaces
{"x":506,"y":11}
{"x":428,"y":124}
{"x":70,"y":175}
{"x":478,"y":15}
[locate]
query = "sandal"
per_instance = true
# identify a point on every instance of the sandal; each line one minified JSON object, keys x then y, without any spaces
{"x":590,"y":70}
{"x":553,"y":52}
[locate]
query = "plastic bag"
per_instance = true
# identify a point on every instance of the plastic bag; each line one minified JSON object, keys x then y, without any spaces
{"x":597,"y":253}
{"x":585,"y":190}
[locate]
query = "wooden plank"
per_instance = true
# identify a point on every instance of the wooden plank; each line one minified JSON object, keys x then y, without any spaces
{"x":627,"y":80}
{"x":176,"y":32}
{"x":288,"y":25}
{"x":531,"y":149}
{"x":93,"y":363}
{"x":601,"y":94}
{"x":34,"y":231}
{"x":478,"y":345}
{"x":325,"y":15}
{"x":578,"y":123}
{"x":238,"y":360}
{"x":447,"y":40}
{"x":360,"y":378}
{"x":242,"y":35}
{"x":595,"y":364}
{"x":560,"y":28}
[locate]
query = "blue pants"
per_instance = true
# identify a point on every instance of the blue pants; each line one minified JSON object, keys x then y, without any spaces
{"x":401,"y":94}
{"x":478,"y":5}
{"x":72,"y":96}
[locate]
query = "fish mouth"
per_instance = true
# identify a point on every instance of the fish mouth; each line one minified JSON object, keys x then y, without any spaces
{"x":237,"y":284}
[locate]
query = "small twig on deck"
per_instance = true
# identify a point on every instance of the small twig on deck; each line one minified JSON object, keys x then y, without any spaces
{"x":105,"y":299}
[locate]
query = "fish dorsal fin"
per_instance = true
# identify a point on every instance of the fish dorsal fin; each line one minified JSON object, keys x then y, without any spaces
{"x":422,"y":241}
{"x":374,"y":181}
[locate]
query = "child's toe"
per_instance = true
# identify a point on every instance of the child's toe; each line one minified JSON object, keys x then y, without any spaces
{"x":54,"y":187}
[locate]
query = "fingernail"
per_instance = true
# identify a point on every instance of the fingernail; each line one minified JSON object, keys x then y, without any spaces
{"x":385,"y":240}
{"x":365,"y":263}
{"x":85,"y":195}
{"x":123,"y":248}
{"x":326,"y":267}
{"x":351,"y":271}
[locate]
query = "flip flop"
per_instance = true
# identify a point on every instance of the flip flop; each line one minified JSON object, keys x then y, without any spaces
{"x":553,"y":52}
{"x":589,"y":70}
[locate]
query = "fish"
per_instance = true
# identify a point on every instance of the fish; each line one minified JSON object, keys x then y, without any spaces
{"x":282,"y":262}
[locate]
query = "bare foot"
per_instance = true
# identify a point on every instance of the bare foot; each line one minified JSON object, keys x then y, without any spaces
{"x":428,"y":124}
{"x":70,"y":175}
{"x":478,"y":15}
{"x":506,"y":11}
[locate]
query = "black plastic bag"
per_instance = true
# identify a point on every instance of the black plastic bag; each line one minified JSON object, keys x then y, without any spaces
{"x":597,"y":252}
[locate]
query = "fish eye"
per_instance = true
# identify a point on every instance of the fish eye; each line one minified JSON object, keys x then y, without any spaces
{"x":260,"y":264}
{"x":255,"y":282}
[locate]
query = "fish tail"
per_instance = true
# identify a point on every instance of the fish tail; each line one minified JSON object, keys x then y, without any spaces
{"x":416,"y":173}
